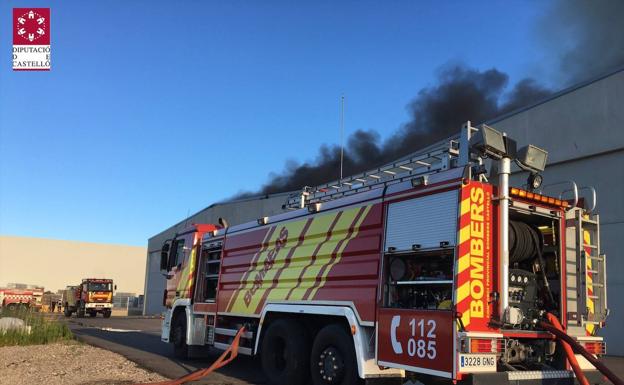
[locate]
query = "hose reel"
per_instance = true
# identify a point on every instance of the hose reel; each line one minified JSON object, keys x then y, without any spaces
{"x":525,"y":241}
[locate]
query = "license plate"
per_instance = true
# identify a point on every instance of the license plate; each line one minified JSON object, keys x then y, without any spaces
{"x":470,"y":363}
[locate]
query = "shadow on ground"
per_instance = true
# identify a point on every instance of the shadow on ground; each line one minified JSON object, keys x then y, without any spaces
{"x":147,"y":350}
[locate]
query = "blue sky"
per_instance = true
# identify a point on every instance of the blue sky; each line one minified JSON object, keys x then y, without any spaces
{"x":154,"y":109}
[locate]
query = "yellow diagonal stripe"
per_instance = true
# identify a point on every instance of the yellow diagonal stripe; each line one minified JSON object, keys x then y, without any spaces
{"x":324,"y":253}
{"x":342,"y":247}
{"x":464,"y":234}
{"x":294,"y":231}
{"x":301,"y":257}
{"x":464,"y":207}
{"x":463,"y":263}
{"x":252,"y":267}
{"x":466,"y":318}
{"x":186,"y":279}
{"x":463,"y":291}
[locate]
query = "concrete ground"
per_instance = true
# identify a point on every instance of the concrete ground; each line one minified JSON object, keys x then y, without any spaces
{"x":138,"y":339}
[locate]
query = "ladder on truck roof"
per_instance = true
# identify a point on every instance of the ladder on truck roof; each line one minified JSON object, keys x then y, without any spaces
{"x":437,"y":157}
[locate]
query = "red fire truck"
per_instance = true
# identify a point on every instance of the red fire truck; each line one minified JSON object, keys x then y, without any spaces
{"x":16,"y":299}
{"x":429,"y":266}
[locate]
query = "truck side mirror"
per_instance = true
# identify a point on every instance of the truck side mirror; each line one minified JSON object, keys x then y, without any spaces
{"x":164,"y":255}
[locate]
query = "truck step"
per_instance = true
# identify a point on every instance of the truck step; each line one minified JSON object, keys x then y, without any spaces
{"x":539,"y":375}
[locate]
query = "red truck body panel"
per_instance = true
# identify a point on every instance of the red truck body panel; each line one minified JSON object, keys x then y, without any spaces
{"x":329,"y":257}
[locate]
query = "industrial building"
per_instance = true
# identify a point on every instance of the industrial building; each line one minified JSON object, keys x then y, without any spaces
{"x":583,"y":130}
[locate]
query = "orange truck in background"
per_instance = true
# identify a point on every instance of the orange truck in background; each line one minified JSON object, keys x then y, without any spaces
{"x":92,"y":296}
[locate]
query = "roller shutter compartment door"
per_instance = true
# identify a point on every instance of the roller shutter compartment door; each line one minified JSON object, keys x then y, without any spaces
{"x":424,"y":221}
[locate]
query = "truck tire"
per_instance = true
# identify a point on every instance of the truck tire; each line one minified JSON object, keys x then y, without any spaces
{"x":106,"y":313}
{"x":11,"y":307}
{"x":178,"y":337}
{"x":285,"y":353}
{"x":92,"y":314}
{"x":333,"y":359}
{"x":80,"y":313}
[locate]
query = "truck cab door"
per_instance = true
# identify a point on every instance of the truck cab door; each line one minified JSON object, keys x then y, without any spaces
{"x":176,"y":263}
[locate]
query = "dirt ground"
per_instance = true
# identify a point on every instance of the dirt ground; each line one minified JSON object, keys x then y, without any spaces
{"x":69,"y":363}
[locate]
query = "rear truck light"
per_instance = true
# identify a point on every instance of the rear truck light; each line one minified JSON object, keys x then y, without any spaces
{"x":590,"y":347}
{"x":595,"y":347}
{"x":482,"y":345}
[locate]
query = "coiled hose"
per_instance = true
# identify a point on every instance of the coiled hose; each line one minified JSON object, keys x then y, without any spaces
{"x":525,"y":241}
{"x":522,"y":241}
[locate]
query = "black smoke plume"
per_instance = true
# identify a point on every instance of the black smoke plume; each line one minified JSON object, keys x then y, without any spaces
{"x":437,"y":112}
{"x":583,"y":38}
{"x":586,"y":37}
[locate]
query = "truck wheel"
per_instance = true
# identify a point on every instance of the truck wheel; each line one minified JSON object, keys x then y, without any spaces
{"x":80,"y":313}
{"x":285,"y":353}
{"x":106,"y":314}
{"x":11,"y":307}
{"x":332,"y":359}
{"x":178,"y":337}
{"x":92,"y":314}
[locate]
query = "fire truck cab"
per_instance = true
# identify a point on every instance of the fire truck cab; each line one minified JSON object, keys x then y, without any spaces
{"x":91,"y":296}
{"x":430,"y":266}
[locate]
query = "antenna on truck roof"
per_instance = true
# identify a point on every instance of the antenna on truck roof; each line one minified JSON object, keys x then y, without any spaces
{"x":342,"y":99}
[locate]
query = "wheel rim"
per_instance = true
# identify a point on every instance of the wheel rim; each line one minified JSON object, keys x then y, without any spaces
{"x":331,"y":365}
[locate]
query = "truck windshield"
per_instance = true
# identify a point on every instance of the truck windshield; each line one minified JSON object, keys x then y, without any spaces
{"x":100,"y":286}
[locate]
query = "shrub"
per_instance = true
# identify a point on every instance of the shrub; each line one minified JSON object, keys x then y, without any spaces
{"x":44,"y":330}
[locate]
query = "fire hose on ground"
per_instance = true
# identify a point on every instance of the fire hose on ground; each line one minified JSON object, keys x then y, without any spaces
{"x":225,"y":358}
{"x":570,"y":346}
